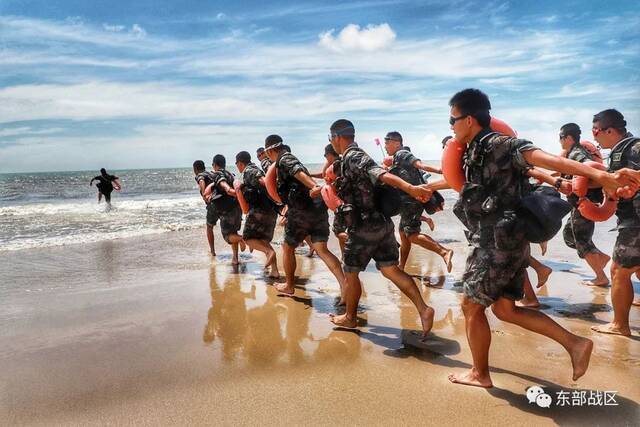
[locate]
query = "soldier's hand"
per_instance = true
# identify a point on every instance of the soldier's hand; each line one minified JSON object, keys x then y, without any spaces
{"x":420,"y":193}
{"x":630,"y":180}
{"x":565,"y":187}
{"x":315,"y":192}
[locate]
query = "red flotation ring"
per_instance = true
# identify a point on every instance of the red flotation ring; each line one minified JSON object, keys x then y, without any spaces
{"x":388,"y":161}
{"x":237,"y":185}
{"x":454,"y":151}
{"x":271,"y":182}
{"x":587,"y":208}
{"x":330,"y":197}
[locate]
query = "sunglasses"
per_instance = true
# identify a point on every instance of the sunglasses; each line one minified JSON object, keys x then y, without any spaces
{"x":453,"y":120}
{"x":595,"y":131}
{"x":561,"y":136}
{"x":331,"y":136}
{"x":390,"y":139}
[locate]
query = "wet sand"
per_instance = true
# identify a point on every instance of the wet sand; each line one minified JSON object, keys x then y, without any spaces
{"x":153,"y":331}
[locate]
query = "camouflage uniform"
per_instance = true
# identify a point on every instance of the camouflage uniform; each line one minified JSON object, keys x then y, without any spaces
{"x":370,"y":234}
{"x":411,"y":210}
{"x":305,"y":216}
{"x":260,"y":221}
{"x":226,"y":206}
{"x":264,"y":164}
{"x":212,"y":215}
{"x":495,"y":182}
{"x":626,"y":252}
{"x":578,"y":231}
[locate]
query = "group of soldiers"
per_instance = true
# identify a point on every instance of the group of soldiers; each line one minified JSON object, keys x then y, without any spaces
{"x":497,"y":173}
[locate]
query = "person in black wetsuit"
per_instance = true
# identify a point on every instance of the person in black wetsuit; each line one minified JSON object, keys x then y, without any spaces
{"x":105,"y":185}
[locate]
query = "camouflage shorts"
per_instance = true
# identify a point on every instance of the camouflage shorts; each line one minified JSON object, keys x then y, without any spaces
{"x":212,"y":215}
{"x":626,"y":251}
{"x":339,"y":225}
{"x":578,"y":232}
{"x":491,"y":273}
{"x":371,"y":240}
{"x":303,"y":223}
{"x":410,"y":222}
{"x":259,"y":224}
{"x":230,"y":222}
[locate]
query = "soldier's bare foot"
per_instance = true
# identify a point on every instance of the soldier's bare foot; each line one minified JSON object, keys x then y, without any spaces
{"x":543,"y":275}
{"x":613,"y":329}
{"x":447,"y":260}
{"x":283,"y":288}
{"x":213,"y":253}
{"x":275,"y":274}
{"x":524,"y":302}
{"x":596,"y":282}
{"x":430,"y":223}
{"x":473,"y":378}
{"x":580,"y":356}
{"x":636,"y":302}
{"x":271,"y":256}
{"x":343,"y":321}
{"x":235,"y":261}
{"x":427,"y":321}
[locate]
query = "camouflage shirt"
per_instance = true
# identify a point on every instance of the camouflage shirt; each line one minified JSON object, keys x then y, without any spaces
{"x":357,"y":177}
{"x":495,"y":182}
{"x":293,"y":192}
{"x":264,"y":164}
{"x":257,"y":194}
{"x":626,"y":154}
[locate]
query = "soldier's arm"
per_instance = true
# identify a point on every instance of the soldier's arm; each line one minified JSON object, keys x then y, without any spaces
{"x":227,"y":188}
{"x":438,"y":185}
{"x":417,"y":192}
{"x":609,"y":182}
{"x":542,"y":176}
{"x":202,"y":188}
{"x":418,"y":164}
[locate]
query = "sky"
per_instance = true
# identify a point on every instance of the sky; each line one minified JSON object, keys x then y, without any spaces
{"x":158,"y":83}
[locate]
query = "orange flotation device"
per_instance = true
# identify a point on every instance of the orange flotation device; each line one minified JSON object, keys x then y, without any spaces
{"x":454,"y":151}
{"x":587,"y":208}
{"x":330,"y":197}
{"x":593,"y":150}
{"x":271,"y":182}
{"x":387,"y":161}
{"x":237,"y":185}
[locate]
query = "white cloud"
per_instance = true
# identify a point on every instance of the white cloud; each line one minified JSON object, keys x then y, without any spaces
{"x":113,"y":28}
{"x":138,"y":31}
{"x":353,"y":38}
{"x":26,"y":130}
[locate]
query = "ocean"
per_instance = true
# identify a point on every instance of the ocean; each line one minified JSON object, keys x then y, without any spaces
{"x":59,"y":208}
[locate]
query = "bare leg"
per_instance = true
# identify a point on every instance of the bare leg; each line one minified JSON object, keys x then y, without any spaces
{"x":310,"y":244}
{"x":543,"y":248}
{"x":405,"y":249}
{"x":352,"y":293}
{"x":530,"y":299}
{"x":266,"y":248}
{"x":597,"y":261}
{"x":405,"y":283}
{"x":428,"y":243}
{"x":542,"y":271}
{"x":234,"y":240}
{"x":479,"y":338}
{"x":579,"y":348}
{"x":210,"y":239}
{"x":289,"y":261}
{"x":621,"y":299}
{"x":99,"y":197}
{"x":333,"y":264}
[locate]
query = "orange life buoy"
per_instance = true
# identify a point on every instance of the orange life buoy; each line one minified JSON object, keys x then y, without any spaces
{"x":330,"y":197}
{"x":587,"y":208}
{"x":237,"y":185}
{"x":593,"y":150}
{"x":454,"y":151}
{"x":452,"y":164}
{"x":271,"y":182}
{"x":387,"y":161}
{"x":329,"y":175}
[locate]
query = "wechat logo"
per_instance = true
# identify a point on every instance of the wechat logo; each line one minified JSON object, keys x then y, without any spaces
{"x":536,"y":394}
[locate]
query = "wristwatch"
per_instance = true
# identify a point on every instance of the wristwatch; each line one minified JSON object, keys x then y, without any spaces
{"x":558,"y":183}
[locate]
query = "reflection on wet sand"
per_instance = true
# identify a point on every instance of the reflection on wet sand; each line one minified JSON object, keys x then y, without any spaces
{"x":274,"y":330}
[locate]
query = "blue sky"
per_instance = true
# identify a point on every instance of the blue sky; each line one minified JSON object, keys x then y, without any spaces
{"x":86,"y":84}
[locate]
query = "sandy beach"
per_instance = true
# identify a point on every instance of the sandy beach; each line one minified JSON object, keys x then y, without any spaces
{"x":151,"y":330}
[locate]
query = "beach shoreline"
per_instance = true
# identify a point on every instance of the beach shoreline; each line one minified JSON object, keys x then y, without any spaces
{"x":152,"y":330}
